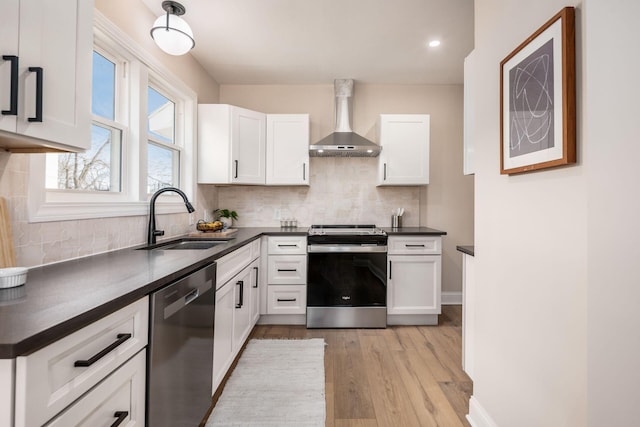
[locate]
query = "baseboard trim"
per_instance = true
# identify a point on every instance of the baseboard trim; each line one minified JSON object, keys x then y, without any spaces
{"x":478,"y":416}
{"x":451,"y":298}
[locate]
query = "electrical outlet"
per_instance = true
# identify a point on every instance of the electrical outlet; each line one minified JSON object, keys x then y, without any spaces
{"x":277,"y":214}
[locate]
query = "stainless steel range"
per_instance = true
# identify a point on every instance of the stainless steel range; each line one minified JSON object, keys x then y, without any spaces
{"x":346,"y":277}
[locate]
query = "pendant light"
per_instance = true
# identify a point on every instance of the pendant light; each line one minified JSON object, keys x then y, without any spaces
{"x":170,"y":32}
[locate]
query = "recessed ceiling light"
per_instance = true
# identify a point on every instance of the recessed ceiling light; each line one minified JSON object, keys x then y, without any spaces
{"x":434,"y":43}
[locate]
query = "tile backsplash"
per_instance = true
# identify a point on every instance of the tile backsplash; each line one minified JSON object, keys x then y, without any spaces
{"x":341,"y":191}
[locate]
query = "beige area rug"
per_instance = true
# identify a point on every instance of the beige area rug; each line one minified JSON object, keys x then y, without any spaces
{"x":276,"y":383}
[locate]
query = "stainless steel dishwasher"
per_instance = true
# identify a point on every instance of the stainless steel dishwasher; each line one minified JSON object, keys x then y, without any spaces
{"x":180,"y":356}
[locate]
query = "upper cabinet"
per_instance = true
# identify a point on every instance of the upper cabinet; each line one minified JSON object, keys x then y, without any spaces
{"x":45,"y":75}
{"x":231,"y":145}
{"x":287,"y":149}
{"x":404,"y":159}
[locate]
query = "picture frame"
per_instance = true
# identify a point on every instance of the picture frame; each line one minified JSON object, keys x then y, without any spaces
{"x":538,"y":99}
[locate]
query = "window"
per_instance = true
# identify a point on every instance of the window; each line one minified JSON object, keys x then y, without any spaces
{"x":130,"y":157}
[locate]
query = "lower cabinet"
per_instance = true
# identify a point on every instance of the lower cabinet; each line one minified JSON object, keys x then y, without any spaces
{"x":49,"y":380}
{"x":237,"y":306}
{"x":414,"y":280}
{"x":118,"y":400}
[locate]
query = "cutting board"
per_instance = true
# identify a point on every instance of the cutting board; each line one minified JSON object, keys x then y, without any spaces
{"x":213,"y":234}
{"x":7,"y":253}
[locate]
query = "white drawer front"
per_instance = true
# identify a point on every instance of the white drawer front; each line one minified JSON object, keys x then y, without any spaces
{"x":287,"y":270}
{"x":286,"y":299}
{"x":121,"y":395}
{"x":255,"y":249}
{"x":415,"y":245}
{"x":287,"y":245}
{"x":231,"y":264}
{"x":47,"y":381}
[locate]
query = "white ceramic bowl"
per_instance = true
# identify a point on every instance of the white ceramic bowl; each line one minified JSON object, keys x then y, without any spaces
{"x":13,"y":276}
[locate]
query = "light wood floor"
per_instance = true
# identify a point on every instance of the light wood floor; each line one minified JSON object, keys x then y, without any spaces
{"x":401,"y":376}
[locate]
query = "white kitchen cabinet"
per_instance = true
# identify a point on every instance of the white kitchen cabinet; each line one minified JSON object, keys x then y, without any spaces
{"x":255,"y":291}
{"x":237,"y":306}
{"x":120,"y":397}
{"x":52,"y":43}
{"x":404,"y":159}
{"x":6,"y":391}
{"x":414,"y":280}
{"x":231,"y":145}
{"x":287,"y":149}
{"x":286,"y":296}
{"x":50,"y":379}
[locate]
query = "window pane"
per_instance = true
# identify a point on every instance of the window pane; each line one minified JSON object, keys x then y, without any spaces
{"x":161,"y":116}
{"x":104,"y":87}
{"x":162,"y":168}
{"x":97,"y":169}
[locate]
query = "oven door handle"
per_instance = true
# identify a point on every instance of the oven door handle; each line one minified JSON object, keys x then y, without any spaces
{"x":346,"y":248}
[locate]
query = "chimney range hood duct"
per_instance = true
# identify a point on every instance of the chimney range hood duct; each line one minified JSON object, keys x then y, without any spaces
{"x":343,"y":142}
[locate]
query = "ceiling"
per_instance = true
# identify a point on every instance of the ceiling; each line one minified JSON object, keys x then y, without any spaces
{"x":317,"y":41}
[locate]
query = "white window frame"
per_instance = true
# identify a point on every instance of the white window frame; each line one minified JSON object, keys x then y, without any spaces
{"x":140,"y":68}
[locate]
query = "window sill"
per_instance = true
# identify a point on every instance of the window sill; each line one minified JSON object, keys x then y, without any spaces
{"x":72,"y":211}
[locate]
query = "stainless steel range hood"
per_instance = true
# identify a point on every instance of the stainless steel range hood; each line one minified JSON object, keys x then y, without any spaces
{"x":344,"y":142}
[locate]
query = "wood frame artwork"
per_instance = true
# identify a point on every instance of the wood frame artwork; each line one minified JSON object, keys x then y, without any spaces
{"x":538,"y":99}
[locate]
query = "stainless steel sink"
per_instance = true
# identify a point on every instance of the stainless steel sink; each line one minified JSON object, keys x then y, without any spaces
{"x":186,"y":244}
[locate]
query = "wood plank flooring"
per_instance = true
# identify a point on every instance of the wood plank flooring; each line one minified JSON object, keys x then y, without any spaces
{"x":400,"y":376}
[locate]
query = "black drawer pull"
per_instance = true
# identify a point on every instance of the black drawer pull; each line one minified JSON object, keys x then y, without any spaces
{"x":84,"y":363}
{"x":241,"y":302}
{"x":287,"y":269}
{"x":39,"y":83}
{"x":287,"y":246}
{"x":287,"y":299}
{"x":414,"y":246}
{"x":121,"y":415}
{"x":13,"y":89}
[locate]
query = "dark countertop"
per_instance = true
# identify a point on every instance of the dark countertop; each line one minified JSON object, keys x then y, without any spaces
{"x":469,"y":250}
{"x":425,"y":231}
{"x":59,"y":299}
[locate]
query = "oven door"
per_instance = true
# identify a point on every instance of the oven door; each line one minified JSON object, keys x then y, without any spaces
{"x":347,"y":276}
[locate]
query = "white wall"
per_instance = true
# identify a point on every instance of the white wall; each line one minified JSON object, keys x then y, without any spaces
{"x":612,"y":126}
{"x":531,"y":250}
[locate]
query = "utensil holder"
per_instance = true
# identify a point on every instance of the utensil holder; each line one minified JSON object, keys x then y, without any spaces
{"x":396,"y":221}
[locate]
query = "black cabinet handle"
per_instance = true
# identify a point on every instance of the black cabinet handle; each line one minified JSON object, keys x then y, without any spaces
{"x":414,"y":246}
{"x":286,"y":299}
{"x":241,"y":302}
{"x":13,"y":90}
{"x":389,"y":270}
{"x":121,"y":416}
{"x":39,"y":82}
{"x":84,"y":363}
{"x":236,"y":164}
{"x":287,"y":246}
{"x":304,"y":171}
{"x":287,"y":269}
{"x":385,"y":172}
{"x":257,"y":270}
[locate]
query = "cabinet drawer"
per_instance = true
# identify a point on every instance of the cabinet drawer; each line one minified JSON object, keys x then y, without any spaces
{"x":287,"y":245}
{"x":415,"y":245}
{"x":231,"y":264}
{"x":286,"y":299}
{"x":120,"y":396}
{"x":48,"y":380}
{"x":287,"y":270}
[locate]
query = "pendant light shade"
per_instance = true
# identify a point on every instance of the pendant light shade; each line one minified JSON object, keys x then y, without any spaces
{"x":170,"y":32}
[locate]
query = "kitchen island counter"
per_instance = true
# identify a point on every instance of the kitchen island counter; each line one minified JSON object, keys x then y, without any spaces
{"x":61,"y":298}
